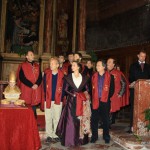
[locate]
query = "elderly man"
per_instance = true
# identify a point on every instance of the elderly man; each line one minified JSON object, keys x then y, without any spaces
{"x":52,"y":96}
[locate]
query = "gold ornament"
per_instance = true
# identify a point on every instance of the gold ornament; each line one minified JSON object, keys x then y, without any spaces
{"x":12,"y":77}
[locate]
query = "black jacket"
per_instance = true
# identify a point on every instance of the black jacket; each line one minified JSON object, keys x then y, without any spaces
{"x":136,"y":72}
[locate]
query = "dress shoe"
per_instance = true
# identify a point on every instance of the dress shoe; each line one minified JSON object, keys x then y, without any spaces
{"x":107,"y":141}
{"x":129,"y":131}
{"x":93,"y":140}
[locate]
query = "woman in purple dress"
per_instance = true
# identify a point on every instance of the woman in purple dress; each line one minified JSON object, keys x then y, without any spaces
{"x":74,"y":125}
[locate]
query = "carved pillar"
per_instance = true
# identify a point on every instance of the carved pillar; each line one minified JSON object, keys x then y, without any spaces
{"x":82,"y":29}
{"x":3,"y":24}
{"x":48,"y":25}
{"x":82,"y":25}
{"x":53,"y":45}
{"x":41,"y":27}
{"x":74,"y":26}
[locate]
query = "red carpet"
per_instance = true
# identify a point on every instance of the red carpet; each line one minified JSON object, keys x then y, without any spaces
{"x":41,"y":122}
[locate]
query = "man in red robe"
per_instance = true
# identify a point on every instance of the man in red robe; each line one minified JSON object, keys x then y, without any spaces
{"x":69,"y":62}
{"x":29,"y":81}
{"x":52,"y":98}
{"x":102,"y":91}
{"x":117,"y":100}
{"x":62,"y":65}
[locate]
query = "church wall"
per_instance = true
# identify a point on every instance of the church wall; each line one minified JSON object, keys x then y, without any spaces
{"x":125,"y":29}
{"x":120,"y":34}
{"x":125,"y":56}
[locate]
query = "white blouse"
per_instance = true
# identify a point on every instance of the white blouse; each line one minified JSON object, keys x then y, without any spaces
{"x":77,"y":80}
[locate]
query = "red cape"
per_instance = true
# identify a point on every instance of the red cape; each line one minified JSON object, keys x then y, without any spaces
{"x":118,"y":102}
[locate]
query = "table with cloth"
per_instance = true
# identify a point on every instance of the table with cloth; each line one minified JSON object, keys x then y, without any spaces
{"x":18,"y":128}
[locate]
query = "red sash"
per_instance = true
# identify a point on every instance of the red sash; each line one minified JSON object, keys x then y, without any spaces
{"x":80,"y":97}
{"x":105,"y":91}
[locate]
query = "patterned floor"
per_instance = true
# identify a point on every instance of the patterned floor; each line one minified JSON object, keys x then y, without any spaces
{"x":100,"y":144}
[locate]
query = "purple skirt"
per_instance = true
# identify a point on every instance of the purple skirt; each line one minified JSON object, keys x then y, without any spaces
{"x":69,"y":126}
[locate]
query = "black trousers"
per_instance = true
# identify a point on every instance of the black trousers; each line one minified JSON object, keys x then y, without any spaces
{"x":103,"y":112}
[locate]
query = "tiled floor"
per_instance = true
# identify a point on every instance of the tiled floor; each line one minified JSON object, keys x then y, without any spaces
{"x":120,"y":140}
{"x":100,"y":144}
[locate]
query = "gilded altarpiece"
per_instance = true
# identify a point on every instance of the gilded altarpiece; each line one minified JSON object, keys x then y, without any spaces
{"x":32,"y":25}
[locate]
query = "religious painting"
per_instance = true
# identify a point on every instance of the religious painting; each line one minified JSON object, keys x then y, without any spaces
{"x":22,"y":26}
{"x":64,"y":28}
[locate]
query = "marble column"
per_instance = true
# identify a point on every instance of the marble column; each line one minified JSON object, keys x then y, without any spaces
{"x":74,"y":26}
{"x":82,"y":29}
{"x":141,"y":103}
{"x":54,"y":22}
{"x":41,"y":27}
{"x":3,"y":25}
{"x":82,"y":25}
{"x":48,"y":26}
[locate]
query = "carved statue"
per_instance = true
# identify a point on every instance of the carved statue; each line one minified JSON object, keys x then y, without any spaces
{"x":62,"y":25}
{"x":12,"y":91}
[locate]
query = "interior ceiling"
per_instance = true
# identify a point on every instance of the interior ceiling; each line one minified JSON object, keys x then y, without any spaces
{"x":98,"y":10}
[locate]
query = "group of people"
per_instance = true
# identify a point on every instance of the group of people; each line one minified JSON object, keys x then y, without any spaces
{"x":75,"y":97}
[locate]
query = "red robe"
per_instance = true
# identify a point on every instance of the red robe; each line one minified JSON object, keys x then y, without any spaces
{"x":58,"y":93}
{"x":31,"y":96}
{"x":125,"y":97}
{"x":118,"y":102}
{"x":64,"y":69}
{"x":105,"y":91}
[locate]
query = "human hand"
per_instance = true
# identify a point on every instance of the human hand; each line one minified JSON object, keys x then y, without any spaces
{"x":87,"y":95}
{"x":35,"y":86}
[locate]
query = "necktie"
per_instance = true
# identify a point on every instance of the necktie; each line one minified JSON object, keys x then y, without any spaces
{"x":142,"y":66}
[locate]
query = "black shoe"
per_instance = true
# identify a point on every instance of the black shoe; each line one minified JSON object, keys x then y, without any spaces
{"x":107,"y":141}
{"x":48,"y":140}
{"x":93,"y":140}
{"x":129,"y":131}
{"x":56,"y":139}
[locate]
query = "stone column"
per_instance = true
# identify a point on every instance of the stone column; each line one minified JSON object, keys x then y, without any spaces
{"x":41,"y":27}
{"x":3,"y":25}
{"x":82,"y":29}
{"x":74,"y":26}
{"x":48,"y":26}
{"x":82,"y":25}
{"x":53,"y":45}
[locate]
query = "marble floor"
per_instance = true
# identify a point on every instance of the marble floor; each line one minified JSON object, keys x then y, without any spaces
{"x":100,"y":144}
{"x":120,"y":140}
